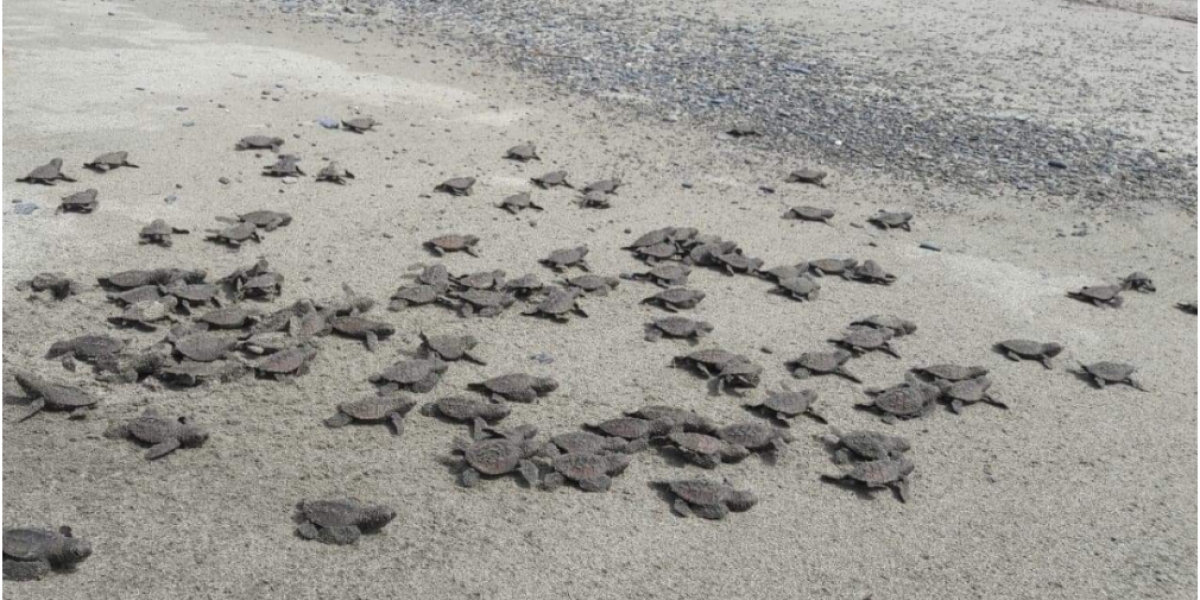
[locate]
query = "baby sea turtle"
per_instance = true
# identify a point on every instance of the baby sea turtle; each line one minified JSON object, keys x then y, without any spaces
{"x":356,"y":326}
{"x":420,"y":375}
{"x":47,"y":174}
{"x":413,"y":295}
{"x":159,"y":232}
{"x":468,"y":409}
{"x":80,"y":202}
{"x":49,"y":395}
{"x":524,"y":286}
{"x":592,"y":285}
{"x":1188,"y":306}
{"x":557,"y":305}
{"x":524,"y":152}
{"x":822,"y":363}
{"x":860,"y":340}
{"x":164,"y":435}
{"x":664,"y":275}
{"x":453,"y":243}
{"x":706,"y":253}
{"x":636,"y":431}
{"x":950,"y":372}
{"x":271,"y":341}
{"x":704,"y":450}
{"x":229,"y":318}
{"x":483,"y":303}
{"x":259,"y":142}
{"x":552,"y":179}
{"x":145,"y":293}
{"x":30,"y":553}
{"x":335,"y":173}
{"x":498,"y":456}
{"x":887,"y":220}
{"x":888,"y":472}
{"x":740,"y":132}
{"x":736,"y":262}
{"x":968,"y":391}
{"x":131,"y":279}
{"x":584,"y":442}
{"x":359,"y":124}
{"x":58,"y":284}
{"x":833,"y":266}
{"x":378,"y":408}
{"x":516,"y":387}
{"x":287,"y":165}
{"x":677,"y":418}
{"x":809,"y":213}
{"x":131,"y":365}
{"x":482,"y":280}
{"x":451,"y":347}
{"x":591,"y":472}
{"x":205,"y":346}
{"x":436,"y":275}
{"x":708,"y":362}
{"x":676,"y":327}
{"x":674,"y":299}
{"x":650,"y":238}
{"x":808,"y":175}
{"x":1138,"y":281}
{"x":349,"y":302}
{"x":144,"y":315}
{"x":264,"y":286}
{"x":340,"y":521}
{"x":285,"y":363}
{"x":756,"y":437}
{"x":269,"y":220}
{"x":109,"y":161}
{"x":1106,"y":372}
{"x":518,"y":202}
{"x":458,"y":186}
{"x":782,"y":272}
{"x":802,"y":288}
{"x":658,"y":252}
{"x":191,"y":373}
{"x":868,"y":445}
{"x":86,"y":347}
{"x":235,"y":235}
{"x":604,"y":186}
{"x":1039,"y":351}
{"x":787,"y":404}
{"x":898,"y":326}
{"x":1100,"y":295}
{"x":909,"y":400}
{"x":567,"y":257}
{"x":872,"y":272}
{"x":594,"y":199}
{"x":708,"y":499}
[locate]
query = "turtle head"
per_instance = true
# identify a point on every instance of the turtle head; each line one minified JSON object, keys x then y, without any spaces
{"x":545,"y":385}
{"x":375,"y":517}
{"x":74,"y":551}
{"x":57,"y":162}
{"x":192,"y":435}
{"x":740,"y":500}
{"x":1052,"y":349}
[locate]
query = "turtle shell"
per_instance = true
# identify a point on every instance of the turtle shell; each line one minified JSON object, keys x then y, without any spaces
{"x":581,"y":442}
{"x":30,"y":544}
{"x":689,"y":420}
{"x":970,"y":390}
{"x":522,"y":152}
{"x":905,"y":400}
{"x":750,"y":435}
{"x":699,"y":491}
{"x":651,"y":238}
{"x":513,"y":382}
{"x":57,"y":395}
{"x":866,"y":337}
{"x":785,"y":272}
{"x":263,"y":218}
{"x":450,"y":347}
{"x":483,"y":280}
{"x":567,"y":256}
{"x":660,"y":251}
{"x":157,"y":227}
{"x":898,"y":326}
{"x":713,"y":357}
{"x":286,"y":361}
{"x":205,"y":347}
{"x":344,"y":512}
{"x":790,"y":403}
{"x":359,"y":124}
{"x":949,"y":372}
{"x":872,"y":445}
{"x":630,"y":428}
{"x":551,"y":179}
{"x":833,"y":265}
{"x":194,"y":292}
{"x":697,"y":442}
{"x":453,"y":241}
{"x":226,"y":318}
{"x":417,"y":294}
{"x":811,"y":213}
{"x":356,"y":325}
{"x":465,"y":408}
{"x":260,"y":141}
{"x":1100,"y":292}
{"x":579,"y":467}
{"x":152,"y":428}
{"x":873,"y":271}
{"x":881,"y":472}
{"x":410,"y":371}
{"x":1025,"y":347}
{"x":129,"y":279}
{"x":681,"y":326}
{"x":679,"y":296}
{"x":807,"y":175}
{"x":800,"y":286}
{"x":607,"y":186}
{"x":823,"y":362}
{"x":50,"y":170}
{"x":1110,"y":371}
{"x":377,"y":408}
{"x":670,"y":272}
{"x":458,"y":185}
{"x":892,"y":219}
{"x":86,"y":347}
{"x":494,"y":457}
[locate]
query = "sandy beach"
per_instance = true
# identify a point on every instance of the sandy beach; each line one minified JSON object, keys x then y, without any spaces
{"x":1072,"y":493}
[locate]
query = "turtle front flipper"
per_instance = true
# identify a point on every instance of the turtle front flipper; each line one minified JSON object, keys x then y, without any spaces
{"x":341,"y":419}
{"x":682,"y":508}
{"x":1137,"y":385}
{"x":995,"y":402}
{"x":162,"y":449}
{"x":956,"y":405}
{"x":713,"y":512}
{"x":340,"y":535}
{"x":397,"y":421}
{"x":25,"y":570}
{"x":529,"y":472}
{"x":372,"y":341}
{"x":1010,"y":355}
{"x":904,"y":489}
{"x":469,"y":478}
{"x":35,"y":407}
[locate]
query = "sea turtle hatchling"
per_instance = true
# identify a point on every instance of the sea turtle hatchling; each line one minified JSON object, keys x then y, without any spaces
{"x":481,"y":303}
{"x":31,"y":553}
{"x":1106,"y":372}
{"x":269,"y":220}
{"x":524,"y":286}
{"x":47,"y":174}
{"x":524,"y":152}
{"x":833,"y":266}
{"x":87,"y":348}
{"x":1138,"y":281}
{"x":782,"y":272}
{"x":359,"y":124}
{"x":159,"y":232}
{"x":677,"y":418}
{"x":635,"y":431}
{"x":235,"y":235}
{"x":376,"y":408}
{"x":109,"y":161}
{"x":864,"y":445}
{"x":481,"y":280}
{"x":584,"y":442}
{"x":259,"y":142}
{"x":909,"y":400}
{"x":453,"y":243}
{"x":340,"y":521}
{"x":49,"y":395}
{"x":674,"y":299}
{"x":264,"y":286}
{"x":564,"y":258}
{"x":1100,"y":295}
{"x":822,"y":363}
{"x":756,"y":437}
{"x":888,"y":472}
{"x":334,"y":172}
{"x":145,"y":293}
{"x":357,"y":326}
{"x":604,"y":186}
{"x":664,"y":275}
{"x":950,"y":372}
{"x":285,"y":363}
{"x":126,"y":280}
{"x":413,"y":295}
{"x":872,"y":272}
{"x":205,"y":346}
{"x":860,"y":340}
{"x":419,"y":375}
{"x":1028,"y":349}
{"x":58,"y":284}
{"x":519,"y":202}
{"x":708,"y":499}
{"x":498,"y":456}
{"x":707,"y":362}
{"x":468,"y":409}
{"x":809,"y":213}
{"x":592,"y":285}
{"x":192,"y":373}
{"x":802,"y":288}
{"x":787,"y":404}
{"x":516,"y":387}
{"x":165,"y":435}
{"x":677,"y":327}
{"x":451,"y":347}
{"x":287,"y":165}
{"x":591,"y":472}
{"x":736,"y":262}
{"x":145,"y":315}
{"x":558,"y":305}
{"x":898,"y":326}
{"x":80,"y":202}
{"x":968,"y":391}
{"x":650,"y":238}
{"x":738,"y":373}
{"x":704,"y":450}
{"x":808,"y":175}
{"x":594,"y":199}
{"x":552,"y":179}
{"x":889,"y":220}
{"x":656,"y":253}
{"x":457,"y":186}
{"x":229,"y":318}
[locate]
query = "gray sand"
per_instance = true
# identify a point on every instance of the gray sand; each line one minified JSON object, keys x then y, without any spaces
{"x":1074,"y":493}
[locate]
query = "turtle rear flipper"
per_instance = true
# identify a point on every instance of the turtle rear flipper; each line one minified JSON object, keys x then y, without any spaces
{"x":682,"y":508}
{"x":35,"y":407}
{"x":469,"y":478}
{"x":529,"y":472}
{"x":340,"y":535}
{"x":25,"y":570}
{"x":162,"y":449}
{"x":308,"y":531}
{"x":397,"y":421}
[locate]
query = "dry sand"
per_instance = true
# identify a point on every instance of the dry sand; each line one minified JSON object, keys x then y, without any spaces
{"x":1074,"y":493}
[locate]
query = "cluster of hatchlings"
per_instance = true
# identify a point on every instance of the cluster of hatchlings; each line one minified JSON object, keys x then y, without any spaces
{"x":228,"y":339}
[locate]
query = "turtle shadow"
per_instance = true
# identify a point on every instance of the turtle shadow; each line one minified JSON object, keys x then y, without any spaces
{"x":663,"y":491}
{"x":861,"y":492}
{"x":1083,"y":376}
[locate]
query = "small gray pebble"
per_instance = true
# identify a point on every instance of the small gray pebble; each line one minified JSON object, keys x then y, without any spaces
{"x":328,"y":123}
{"x":290,"y":180}
{"x":687,"y":185}
{"x":189,"y":123}
{"x":223,"y":181}
{"x":542,"y":358}
{"x":171,"y":199}
{"x":25,"y":208}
